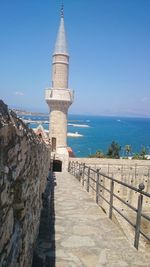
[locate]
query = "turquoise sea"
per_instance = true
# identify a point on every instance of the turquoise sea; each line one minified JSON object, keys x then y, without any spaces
{"x":102,"y":131}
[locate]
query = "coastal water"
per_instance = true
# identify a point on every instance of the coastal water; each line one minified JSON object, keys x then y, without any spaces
{"x":102,"y":131}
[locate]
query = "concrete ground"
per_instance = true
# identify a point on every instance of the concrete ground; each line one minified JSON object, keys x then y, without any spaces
{"x":79,"y":234}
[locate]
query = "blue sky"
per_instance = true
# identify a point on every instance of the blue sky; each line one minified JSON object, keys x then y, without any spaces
{"x":109,"y":45}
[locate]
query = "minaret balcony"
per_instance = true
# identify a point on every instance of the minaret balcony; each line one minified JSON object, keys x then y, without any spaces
{"x":64,"y":95}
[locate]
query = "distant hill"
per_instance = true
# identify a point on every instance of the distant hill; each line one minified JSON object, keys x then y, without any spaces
{"x":24,"y":112}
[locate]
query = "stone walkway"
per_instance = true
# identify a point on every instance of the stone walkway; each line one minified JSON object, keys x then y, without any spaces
{"x":80,"y":234}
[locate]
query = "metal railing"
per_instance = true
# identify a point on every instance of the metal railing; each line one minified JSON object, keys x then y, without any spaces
{"x":88,"y":176}
{"x":135,"y":170}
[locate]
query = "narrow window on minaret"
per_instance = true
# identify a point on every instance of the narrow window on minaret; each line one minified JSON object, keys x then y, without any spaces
{"x":53,"y":144}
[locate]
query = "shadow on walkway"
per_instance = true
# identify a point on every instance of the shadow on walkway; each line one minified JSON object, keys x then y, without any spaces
{"x":76,"y":232}
{"x":44,"y":253}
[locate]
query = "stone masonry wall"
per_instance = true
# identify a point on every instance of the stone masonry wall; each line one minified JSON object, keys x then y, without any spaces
{"x":24,"y":167}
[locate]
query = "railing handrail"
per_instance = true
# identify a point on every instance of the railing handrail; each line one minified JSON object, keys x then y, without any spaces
{"x":131,"y":164}
{"x":81,"y":167}
{"x":120,"y":182}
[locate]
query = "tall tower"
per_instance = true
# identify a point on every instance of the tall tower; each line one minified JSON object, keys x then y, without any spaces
{"x":59,"y":97}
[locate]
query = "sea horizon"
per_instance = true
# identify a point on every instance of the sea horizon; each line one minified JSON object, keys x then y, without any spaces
{"x":28,"y":112}
{"x":100,"y":131}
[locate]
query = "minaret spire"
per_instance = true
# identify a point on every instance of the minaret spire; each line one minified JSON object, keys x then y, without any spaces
{"x":62,"y":10}
{"x":61,"y":40}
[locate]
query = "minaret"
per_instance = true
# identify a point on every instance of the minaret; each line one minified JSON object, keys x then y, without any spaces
{"x":59,"y":97}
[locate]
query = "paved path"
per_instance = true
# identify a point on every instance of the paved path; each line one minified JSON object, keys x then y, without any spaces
{"x":81,"y":233}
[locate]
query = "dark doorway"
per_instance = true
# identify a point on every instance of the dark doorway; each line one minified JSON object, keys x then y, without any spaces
{"x":57,"y":166}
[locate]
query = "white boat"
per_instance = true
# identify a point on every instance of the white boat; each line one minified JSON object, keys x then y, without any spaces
{"x":79,"y":125}
{"x":76,"y":134}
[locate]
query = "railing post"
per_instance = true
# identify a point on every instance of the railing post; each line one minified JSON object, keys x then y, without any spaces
{"x":75,"y":173}
{"x":138,"y":221}
{"x":88,"y":180}
{"x":79,"y":172}
{"x":97,"y":186}
{"x":111,"y":199}
{"x":77,"y":164}
{"x":83,"y":170}
{"x":77,"y":169}
{"x":74,"y":168}
{"x":69,"y":166}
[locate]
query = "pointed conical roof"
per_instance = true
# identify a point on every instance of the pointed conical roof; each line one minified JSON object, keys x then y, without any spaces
{"x":61,"y":42}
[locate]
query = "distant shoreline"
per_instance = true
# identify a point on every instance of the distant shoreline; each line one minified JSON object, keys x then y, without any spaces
{"x":29,"y":121}
{"x":23,"y":112}
{"x":138,"y":116}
